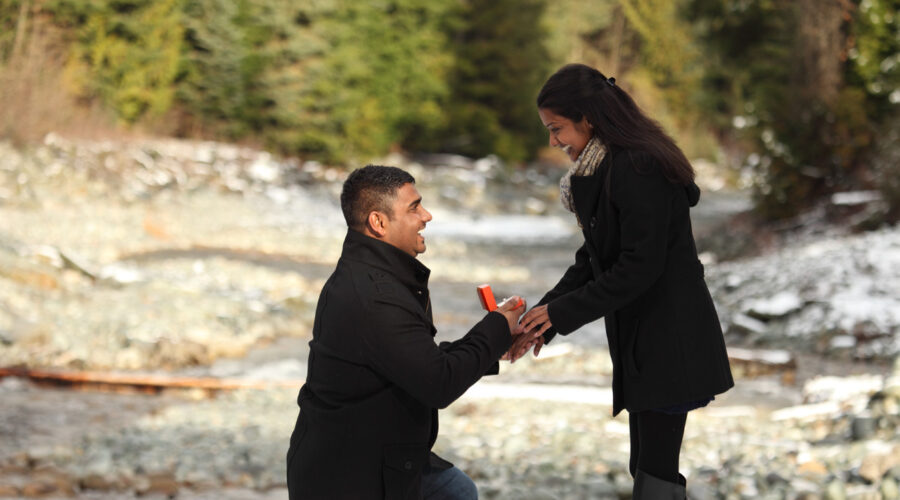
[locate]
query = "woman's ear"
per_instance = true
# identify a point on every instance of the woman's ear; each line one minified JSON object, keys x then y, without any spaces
{"x":375,"y":223}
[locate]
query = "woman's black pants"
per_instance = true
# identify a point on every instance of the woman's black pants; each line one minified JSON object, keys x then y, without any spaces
{"x":656,"y":443}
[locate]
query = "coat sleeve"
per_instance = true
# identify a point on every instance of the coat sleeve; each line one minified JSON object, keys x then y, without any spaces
{"x":579,"y":273}
{"x":400,"y":347}
{"x":575,"y":276}
{"x":642,"y":199}
{"x":445,"y":346}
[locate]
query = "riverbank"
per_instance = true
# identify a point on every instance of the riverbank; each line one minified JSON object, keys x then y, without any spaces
{"x":181,"y":259}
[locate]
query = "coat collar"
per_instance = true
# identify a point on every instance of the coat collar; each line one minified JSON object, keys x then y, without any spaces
{"x":406,"y":268}
{"x":587,"y":189}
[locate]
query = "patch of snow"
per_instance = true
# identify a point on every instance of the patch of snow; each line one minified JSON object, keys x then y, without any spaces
{"x":776,"y":306}
{"x":767,"y":356}
{"x":121,"y":274}
{"x":855,"y":197}
{"x":843,"y":342}
{"x":830,"y":288}
{"x":805,"y":413}
{"x":841,"y":389}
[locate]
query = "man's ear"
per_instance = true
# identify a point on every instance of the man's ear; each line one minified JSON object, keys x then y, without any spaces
{"x":376,"y":224}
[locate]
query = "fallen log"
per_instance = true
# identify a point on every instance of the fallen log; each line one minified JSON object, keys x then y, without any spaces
{"x":147,"y":383}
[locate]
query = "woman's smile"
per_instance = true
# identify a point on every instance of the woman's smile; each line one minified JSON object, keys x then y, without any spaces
{"x":565,"y":134}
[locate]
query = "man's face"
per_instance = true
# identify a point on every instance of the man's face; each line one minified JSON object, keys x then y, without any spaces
{"x":407,"y":221}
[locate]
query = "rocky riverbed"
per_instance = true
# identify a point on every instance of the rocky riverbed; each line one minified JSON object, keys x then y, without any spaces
{"x":189,"y":259}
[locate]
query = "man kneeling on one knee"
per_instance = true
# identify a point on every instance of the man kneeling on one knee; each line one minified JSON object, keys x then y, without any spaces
{"x":376,"y":378}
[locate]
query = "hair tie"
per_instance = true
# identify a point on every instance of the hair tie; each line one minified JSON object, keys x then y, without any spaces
{"x":611,"y":81}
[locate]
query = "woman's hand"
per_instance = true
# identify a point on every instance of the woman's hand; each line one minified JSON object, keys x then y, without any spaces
{"x":536,"y":321}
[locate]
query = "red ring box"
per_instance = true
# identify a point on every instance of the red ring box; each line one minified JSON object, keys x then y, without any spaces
{"x":486,"y":295}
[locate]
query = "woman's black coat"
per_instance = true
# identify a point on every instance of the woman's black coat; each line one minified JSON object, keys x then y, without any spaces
{"x":638,"y":268}
{"x":375,"y":379}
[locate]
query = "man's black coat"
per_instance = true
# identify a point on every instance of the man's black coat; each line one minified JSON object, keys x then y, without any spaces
{"x":638,"y":268}
{"x":368,"y":410}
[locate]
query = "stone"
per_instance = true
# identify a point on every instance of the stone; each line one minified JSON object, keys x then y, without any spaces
{"x":746,"y":486}
{"x":875,"y":465}
{"x":835,"y":491}
{"x":742,"y":323}
{"x":99,"y":482}
{"x":47,"y":482}
{"x":806,"y":488}
{"x":9,"y":490}
{"x":840,"y":342}
{"x":536,"y":494}
{"x":28,"y":273}
{"x":892,"y":386}
{"x":700,"y":491}
{"x":889,"y":489}
{"x":774,"y":478}
{"x":600,"y":488}
{"x":862,"y":492}
{"x":862,"y":427}
{"x":162,"y":483}
{"x":894,"y":472}
{"x":9,"y":337}
{"x":11,"y":384}
{"x":141,"y":484}
{"x":40,"y":487}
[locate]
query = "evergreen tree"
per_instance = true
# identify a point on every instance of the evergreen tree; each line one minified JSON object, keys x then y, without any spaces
{"x":874,"y":66}
{"x":127,"y":53}
{"x":211,"y":87}
{"x":778,"y":72}
{"x":500,"y":64}
{"x":668,"y":52}
{"x":382,"y":81}
{"x":591,"y":33}
{"x":333,"y":79}
{"x":230,"y":48}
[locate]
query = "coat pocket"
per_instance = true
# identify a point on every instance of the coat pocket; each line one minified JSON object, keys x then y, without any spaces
{"x":402,"y":471}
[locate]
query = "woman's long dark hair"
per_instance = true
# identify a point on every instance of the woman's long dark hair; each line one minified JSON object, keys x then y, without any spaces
{"x":577,"y":91}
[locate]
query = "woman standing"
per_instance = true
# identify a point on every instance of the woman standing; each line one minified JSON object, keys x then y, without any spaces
{"x":630,"y":189}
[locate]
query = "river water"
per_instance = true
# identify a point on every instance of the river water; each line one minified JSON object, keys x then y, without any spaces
{"x":536,"y":249}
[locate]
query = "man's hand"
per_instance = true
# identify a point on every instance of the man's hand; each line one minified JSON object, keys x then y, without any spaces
{"x":508,"y":308}
{"x":521,"y":345}
{"x":529,"y":333}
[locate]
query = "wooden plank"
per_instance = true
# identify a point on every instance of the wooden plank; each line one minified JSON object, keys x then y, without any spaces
{"x":140,"y":382}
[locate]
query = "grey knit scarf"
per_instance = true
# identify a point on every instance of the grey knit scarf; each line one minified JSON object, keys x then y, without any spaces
{"x":586,"y":164}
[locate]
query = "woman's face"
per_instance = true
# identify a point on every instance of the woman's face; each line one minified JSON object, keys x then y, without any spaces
{"x":570,"y":136}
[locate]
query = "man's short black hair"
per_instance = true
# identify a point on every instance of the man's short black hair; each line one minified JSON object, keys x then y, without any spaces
{"x":368,"y":189}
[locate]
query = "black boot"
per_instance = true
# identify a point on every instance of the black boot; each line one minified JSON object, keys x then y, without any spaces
{"x":647,"y":487}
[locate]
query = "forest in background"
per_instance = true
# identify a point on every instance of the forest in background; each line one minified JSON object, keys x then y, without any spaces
{"x":801,"y":96}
